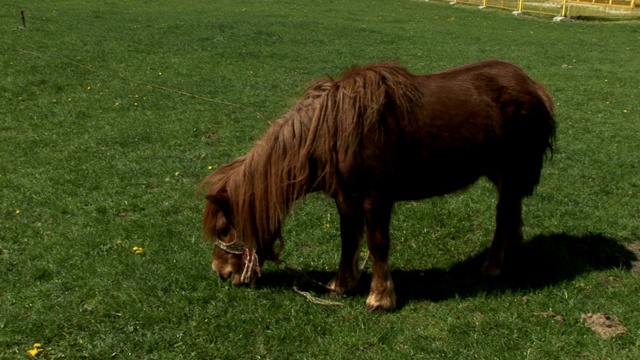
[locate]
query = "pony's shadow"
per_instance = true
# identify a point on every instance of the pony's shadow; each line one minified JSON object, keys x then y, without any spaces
{"x":540,"y":262}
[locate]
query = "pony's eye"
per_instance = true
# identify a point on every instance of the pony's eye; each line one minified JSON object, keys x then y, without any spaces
{"x":221,"y":233}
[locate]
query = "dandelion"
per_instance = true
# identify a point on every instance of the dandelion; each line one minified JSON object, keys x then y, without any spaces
{"x":177,"y":173}
{"x":33,"y":352}
{"x":135,"y":104}
{"x":17,"y":211}
{"x":88,"y":87}
{"x":626,"y":110}
{"x":138,"y":250}
{"x":210,"y":167}
{"x":37,"y":348}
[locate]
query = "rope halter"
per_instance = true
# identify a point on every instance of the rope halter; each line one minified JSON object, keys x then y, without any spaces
{"x":250,"y":261}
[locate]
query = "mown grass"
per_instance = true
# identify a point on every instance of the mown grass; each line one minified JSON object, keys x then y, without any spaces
{"x":98,"y":156}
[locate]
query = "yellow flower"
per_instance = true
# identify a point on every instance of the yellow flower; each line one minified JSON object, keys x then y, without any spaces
{"x":18,"y":211}
{"x":33,"y":352}
{"x":138,"y":250}
{"x":36,"y":350}
{"x":210,"y":167}
{"x":177,"y":173}
{"x":327,"y":225}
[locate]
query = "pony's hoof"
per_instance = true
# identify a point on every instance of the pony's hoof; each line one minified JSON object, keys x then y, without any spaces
{"x":491,"y":269}
{"x":336,"y":288}
{"x":379,"y":310}
{"x":334,"y":291}
{"x":380,"y":306}
{"x":332,"y":294}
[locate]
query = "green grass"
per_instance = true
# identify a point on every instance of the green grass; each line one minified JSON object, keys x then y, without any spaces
{"x":97,"y":156}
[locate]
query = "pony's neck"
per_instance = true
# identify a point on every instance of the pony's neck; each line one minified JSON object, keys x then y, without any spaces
{"x":276,"y":172}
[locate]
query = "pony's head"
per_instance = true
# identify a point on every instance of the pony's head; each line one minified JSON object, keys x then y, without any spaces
{"x":228,"y":250}
{"x":248,"y":198}
{"x":234,"y":258}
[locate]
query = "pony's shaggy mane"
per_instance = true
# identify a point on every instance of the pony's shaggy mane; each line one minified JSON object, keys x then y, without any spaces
{"x":303,"y":149}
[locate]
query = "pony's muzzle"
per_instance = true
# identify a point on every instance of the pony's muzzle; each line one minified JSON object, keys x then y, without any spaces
{"x":228,"y":266}
{"x":226,"y":272}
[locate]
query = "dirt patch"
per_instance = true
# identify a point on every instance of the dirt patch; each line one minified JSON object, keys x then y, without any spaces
{"x":558,"y":319}
{"x":604,"y":325}
{"x":635,"y":249}
{"x":212,"y":135}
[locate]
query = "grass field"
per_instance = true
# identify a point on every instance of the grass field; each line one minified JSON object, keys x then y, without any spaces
{"x":111,"y":112}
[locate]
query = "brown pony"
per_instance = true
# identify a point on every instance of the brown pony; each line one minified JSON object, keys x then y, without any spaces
{"x":374,"y":136}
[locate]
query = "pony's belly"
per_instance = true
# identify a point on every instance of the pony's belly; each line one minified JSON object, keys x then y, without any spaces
{"x":433,"y":183}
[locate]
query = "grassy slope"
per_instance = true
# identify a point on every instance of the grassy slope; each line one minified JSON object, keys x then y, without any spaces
{"x":94,"y":162}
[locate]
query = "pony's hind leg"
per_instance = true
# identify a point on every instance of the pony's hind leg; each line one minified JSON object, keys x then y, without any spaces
{"x":351,"y":227}
{"x":382,"y":295}
{"x":508,"y":233}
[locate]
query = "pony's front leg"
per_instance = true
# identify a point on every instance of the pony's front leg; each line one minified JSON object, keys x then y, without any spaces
{"x":382,"y":296}
{"x":507,"y":235}
{"x":351,"y":226}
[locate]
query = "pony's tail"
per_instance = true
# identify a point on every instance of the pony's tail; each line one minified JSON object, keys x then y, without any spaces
{"x":549,"y":131}
{"x":530,"y":139}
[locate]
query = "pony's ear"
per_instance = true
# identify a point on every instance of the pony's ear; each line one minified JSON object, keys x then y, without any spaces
{"x":221,"y":201}
{"x":218,"y":198}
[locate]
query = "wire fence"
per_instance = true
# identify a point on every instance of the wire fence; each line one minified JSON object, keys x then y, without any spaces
{"x":564,"y":8}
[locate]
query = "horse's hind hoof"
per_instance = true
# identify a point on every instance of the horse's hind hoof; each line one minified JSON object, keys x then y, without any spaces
{"x":379,"y":310}
{"x":490,"y":269}
{"x":380,"y":305}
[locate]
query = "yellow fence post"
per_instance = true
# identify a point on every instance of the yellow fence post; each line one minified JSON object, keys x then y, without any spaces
{"x":564,"y":9}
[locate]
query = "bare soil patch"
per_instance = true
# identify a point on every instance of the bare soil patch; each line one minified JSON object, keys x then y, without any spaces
{"x":604,"y":325}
